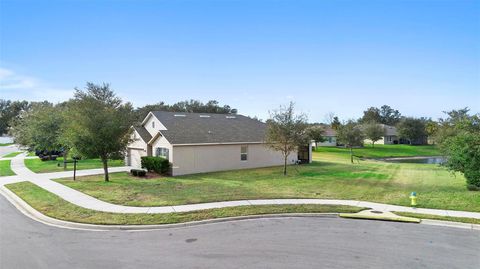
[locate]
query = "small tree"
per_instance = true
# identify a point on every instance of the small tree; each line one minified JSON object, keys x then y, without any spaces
{"x":374,"y":132}
{"x":286,"y":131}
{"x":459,"y":140}
{"x":335,"y":123}
{"x":351,"y":135}
{"x":316,"y":133}
{"x":431,"y":128}
{"x":411,"y":129}
{"x":98,"y":124}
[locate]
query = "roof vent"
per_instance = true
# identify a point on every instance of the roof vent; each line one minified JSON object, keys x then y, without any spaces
{"x":204,"y":116}
{"x":179,"y":115}
{"x":230,"y":117}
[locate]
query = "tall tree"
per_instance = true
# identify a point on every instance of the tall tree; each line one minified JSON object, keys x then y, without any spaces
{"x":335,"y":123}
{"x":195,"y":106}
{"x":9,"y":111}
{"x":389,"y":116}
{"x":385,"y":115}
{"x":411,"y":129}
{"x":431,"y":128}
{"x":351,"y":135}
{"x":316,"y":133}
{"x":98,"y":124}
{"x":39,"y":127}
{"x":286,"y":131}
{"x":460,"y":144}
{"x":374,"y":132}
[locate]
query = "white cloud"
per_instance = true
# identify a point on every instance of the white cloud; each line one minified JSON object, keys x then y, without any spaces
{"x":20,"y":87}
{"x":11,"y":80}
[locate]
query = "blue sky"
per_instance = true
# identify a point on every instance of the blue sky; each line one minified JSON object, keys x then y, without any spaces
{"x":421,"y":57}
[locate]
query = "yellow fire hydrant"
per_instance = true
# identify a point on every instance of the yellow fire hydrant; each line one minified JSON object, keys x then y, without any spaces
{"x":413,"y":199}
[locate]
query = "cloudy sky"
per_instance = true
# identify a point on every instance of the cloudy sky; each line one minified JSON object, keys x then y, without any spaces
{"x":421,"y":57}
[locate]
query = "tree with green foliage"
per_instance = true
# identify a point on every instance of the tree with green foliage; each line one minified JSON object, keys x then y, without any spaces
{"x":10,"y":110}
{"x":335,"y":123}
{"x":460,"y":144}
{"x":286,"y":131}
{"x":195,"y":106}
{"x":412,"y":129}
{"x":98,"y":124}
{"x":431,"y":129}
{"x":39,"y":128}
{"x":350,"y":134}
{"x":374,"y":132}
{"x":385,"y":115}
{"x":316,"y":133}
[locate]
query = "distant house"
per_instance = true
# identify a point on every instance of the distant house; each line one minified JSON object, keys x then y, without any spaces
{"x":391,"y":137}
{"x":204,"y":142}
{"x":330,"y":137}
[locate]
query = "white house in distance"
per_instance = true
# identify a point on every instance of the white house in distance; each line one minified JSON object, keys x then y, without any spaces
{"x":205,"y":142}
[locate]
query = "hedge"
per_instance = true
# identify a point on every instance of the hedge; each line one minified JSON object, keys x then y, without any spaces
{"x":156,"y":164}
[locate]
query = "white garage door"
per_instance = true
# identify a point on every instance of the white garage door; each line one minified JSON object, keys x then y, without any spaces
{"x":135,"y":158}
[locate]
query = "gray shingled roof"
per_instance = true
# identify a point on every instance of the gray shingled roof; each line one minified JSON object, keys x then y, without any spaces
{"x":196,"y":128}
{"x":144,"y":134}
{"x":390,"y":130}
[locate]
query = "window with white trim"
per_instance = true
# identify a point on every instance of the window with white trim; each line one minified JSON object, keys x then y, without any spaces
{"x":161,"y":152}
{"x":243,"y":153}
{"x":153,"y":124}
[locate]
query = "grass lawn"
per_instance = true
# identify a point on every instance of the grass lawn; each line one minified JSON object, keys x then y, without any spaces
{"x":385,"y":151}
{"x":39,"y":166}
{"x":5,"y":144}
{"x":427,"y":216}
{"x":330,"y":176}
{"x":55,"y":207}
{"x":31,"y":154}
{"x":5,"y":168}
{"x":13,"y":154}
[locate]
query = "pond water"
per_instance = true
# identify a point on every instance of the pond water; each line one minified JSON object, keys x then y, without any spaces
{"x":6,"y":139}
{"x":427,"y":160}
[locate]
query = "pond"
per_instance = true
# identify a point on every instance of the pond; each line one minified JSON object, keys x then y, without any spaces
{"x":427,"y":160}
{"x":6,"y":139}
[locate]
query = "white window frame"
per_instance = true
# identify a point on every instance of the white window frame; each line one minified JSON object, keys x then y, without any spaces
{"x":162,"y":152}
{"x":153,"y":124}
{"x":244,"y":153}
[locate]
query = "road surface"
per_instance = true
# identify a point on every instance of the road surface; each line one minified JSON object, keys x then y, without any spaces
{"x":261,"y":243}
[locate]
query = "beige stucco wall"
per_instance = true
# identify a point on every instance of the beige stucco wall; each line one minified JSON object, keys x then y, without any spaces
{"x":327,"y":143}
{"x":209,"y":158}
{"x":136,"y":149}
{"x":161,"y":142}
{"x":158,"y":126}
{"x":378,"y":142}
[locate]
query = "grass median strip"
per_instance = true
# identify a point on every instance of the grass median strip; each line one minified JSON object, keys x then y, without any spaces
{"x":5,"y":168}
{"x":53,"y":206}
{"x":434,"y":217}
{"x":39,"y":166}
{"x":13,"y":154}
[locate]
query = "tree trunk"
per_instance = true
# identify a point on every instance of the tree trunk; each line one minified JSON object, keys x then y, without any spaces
{"x":65,"y":156}
{"x":285,"y":165}
{"x":105,"y":168}
{"x":373,"y":144}
{"x":351,"y":154}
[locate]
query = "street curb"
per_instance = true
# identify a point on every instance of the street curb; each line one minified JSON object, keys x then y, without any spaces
{"x":35,"y":215}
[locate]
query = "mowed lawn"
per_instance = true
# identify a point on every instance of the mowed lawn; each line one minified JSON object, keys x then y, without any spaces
{"x":13,"y":154}
{"x":330,"y":176}
{"x":39,"y":166}
{"x":385,"y":151}
{"x":5,"y":168}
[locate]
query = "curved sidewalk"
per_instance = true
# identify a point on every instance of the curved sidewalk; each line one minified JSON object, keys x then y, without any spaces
{"x":83,"y":200}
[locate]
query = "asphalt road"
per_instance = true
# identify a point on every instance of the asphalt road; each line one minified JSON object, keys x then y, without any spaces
{"x":261,"y":243}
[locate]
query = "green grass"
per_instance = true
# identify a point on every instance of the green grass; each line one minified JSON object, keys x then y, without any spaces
{"x":330,"y":176}
{"x":5,"y":168}
{"x":5,"y":144}
{"x":428,"y":216}
{"x":31,"y":154}
{"x":55,"y":207}
{"x":39,"y":166}
{"x":13,"y":154}
{"x":385,"y":151}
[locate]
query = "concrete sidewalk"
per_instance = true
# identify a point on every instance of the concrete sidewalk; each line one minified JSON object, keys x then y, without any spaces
{"x":83,"y":200}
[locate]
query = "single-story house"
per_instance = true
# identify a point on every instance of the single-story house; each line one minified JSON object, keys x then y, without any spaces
{"x":205,"y":142}
{"x":329,"y":136}
{"x":391,"y":137}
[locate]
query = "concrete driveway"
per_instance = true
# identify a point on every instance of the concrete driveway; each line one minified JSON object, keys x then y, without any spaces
{"x":261,"y":243}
